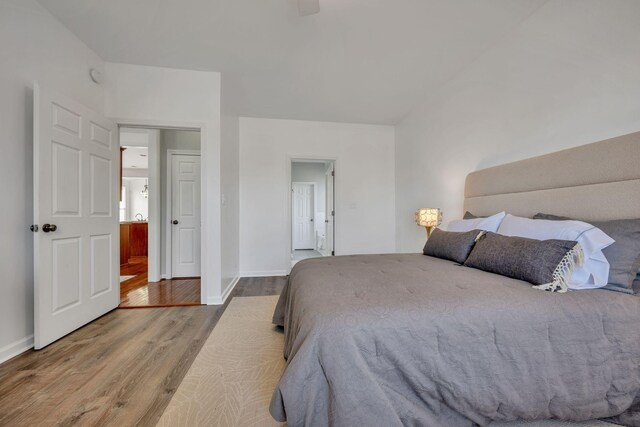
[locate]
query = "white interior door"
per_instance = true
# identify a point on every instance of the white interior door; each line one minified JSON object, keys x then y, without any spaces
{"x":75,"y":175}
{"x":185,"y":215}
{"x":303,"y":212}
{"x":330,"y":216}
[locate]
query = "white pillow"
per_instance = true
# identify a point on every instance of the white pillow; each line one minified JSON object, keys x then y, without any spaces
{"x":487,"y":224}
{"x":594,"y":273}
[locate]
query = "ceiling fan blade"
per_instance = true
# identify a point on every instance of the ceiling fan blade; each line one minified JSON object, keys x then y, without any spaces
{"x":308,"y":7}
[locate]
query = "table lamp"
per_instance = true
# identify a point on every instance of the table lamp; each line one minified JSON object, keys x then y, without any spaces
{"x":428,"y":218}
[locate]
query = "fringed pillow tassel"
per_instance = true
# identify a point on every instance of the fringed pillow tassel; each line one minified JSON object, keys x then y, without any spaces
{"x":563,"y":272}
{"x":480,"y":235}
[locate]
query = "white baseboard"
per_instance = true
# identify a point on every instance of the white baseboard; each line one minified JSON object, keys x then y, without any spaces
{"x":225,"y":294}
{"x":15,"y":348}
{"x":264,"y":273}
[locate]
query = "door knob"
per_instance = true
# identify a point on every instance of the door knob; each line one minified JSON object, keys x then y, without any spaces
{"x":49,"y":227}
{"x":174,"y":222}
{"x":311,"y":219}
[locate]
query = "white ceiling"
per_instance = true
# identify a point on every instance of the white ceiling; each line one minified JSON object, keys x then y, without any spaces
{"x":135,"y":157}
{"x":363,"y":61}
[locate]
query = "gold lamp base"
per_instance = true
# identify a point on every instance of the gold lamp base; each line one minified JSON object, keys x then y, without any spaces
{"x":429,"y":229}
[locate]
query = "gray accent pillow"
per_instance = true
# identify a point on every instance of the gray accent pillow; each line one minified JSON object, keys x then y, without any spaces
{"x":469,"y":215}
{"x":623,"y":255}
{"x":531,"y":260}
{"x":451,"y":245}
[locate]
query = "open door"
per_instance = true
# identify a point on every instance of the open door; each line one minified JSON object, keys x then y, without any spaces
{"x":75,"y":175}
{"x":331,"y":213}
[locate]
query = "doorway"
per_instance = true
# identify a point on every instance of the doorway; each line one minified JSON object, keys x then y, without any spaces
{"x":312,"y":209}
{"x":160,"y":217}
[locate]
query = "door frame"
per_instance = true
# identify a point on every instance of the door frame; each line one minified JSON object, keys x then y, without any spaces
{"x":208,"y":174}
{"x":315,"y":203}
{"x":330,"y":251}
{"x":168,"y":206}
{"x":290,"y":159}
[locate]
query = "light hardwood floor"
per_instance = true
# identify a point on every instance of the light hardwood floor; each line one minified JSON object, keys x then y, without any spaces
{"x":120,"y":370}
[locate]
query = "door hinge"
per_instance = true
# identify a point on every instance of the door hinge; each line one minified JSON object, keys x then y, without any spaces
{"x":333,"y":173}
{"x":34,"y":228}
{"x":333,"y":253}
{"x":333,"y":213}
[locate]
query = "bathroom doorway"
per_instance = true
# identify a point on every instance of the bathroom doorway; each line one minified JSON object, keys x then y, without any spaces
{"x":312,"y":209}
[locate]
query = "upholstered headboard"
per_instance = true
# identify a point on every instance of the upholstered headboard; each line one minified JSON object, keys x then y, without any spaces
{"x":598,"y":181}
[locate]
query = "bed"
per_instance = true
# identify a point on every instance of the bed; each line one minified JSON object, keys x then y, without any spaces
{"x":408,"y":339}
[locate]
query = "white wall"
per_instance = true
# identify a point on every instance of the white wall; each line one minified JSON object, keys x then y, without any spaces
{"x":316,"y":173}
{"x":135,"y":172}
{"x":33,"y":46}
{"x":230,"y":182}
{"x":365,"y":215}
{"x":165,"y":97}
{"x":567,"y":76}
{"x":171,"y":139}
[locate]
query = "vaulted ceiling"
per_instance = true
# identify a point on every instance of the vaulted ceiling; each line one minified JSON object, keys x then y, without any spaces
{"x":361,"y":61}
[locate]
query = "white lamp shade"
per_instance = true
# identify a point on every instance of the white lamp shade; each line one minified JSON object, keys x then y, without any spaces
{"x":428,"y":217}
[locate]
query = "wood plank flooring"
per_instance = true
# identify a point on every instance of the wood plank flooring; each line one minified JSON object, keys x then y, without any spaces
{"x":120,"y":370}
{"x":138,"y":292}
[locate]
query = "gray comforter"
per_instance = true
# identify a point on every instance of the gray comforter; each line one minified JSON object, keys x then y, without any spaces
{"x":390,"y":340}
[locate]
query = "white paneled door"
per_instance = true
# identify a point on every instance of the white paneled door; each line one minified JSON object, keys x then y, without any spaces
{"x":76,"y":233}
{"x":185,"y":215}
{"x":303,"y":212}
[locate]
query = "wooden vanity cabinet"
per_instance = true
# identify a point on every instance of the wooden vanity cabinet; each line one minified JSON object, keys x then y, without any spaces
{"x":133,"y":241}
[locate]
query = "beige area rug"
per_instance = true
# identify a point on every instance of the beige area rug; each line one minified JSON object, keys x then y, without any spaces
{"x":231,"y":380}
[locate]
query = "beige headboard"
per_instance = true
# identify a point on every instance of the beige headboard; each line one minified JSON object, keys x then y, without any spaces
{"x":598,"y":181}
